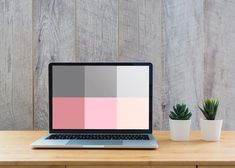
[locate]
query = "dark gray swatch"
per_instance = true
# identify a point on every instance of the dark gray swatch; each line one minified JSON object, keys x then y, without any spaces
{"x":100,"y":81}
{"x":68,"y":81}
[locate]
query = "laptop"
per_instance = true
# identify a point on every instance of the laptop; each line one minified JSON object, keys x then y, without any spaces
{"x":99,"y":105}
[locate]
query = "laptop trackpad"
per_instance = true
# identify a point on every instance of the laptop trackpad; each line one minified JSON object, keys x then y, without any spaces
{"x":95,"y":142}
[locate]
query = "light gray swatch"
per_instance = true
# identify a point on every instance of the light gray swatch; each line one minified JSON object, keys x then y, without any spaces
{"x":101,"y":81}
{"x":133,"y":81}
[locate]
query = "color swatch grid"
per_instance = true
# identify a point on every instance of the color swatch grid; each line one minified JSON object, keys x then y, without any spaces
{"x":100,"y":97}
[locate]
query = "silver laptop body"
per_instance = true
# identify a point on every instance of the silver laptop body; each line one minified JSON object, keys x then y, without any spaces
{"x":99,"y":105}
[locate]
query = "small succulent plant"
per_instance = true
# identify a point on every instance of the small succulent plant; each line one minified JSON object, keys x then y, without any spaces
{"x":209,"y":108}
{"x":180,"y":112}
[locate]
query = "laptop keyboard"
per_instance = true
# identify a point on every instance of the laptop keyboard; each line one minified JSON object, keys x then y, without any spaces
{"x":99,"y":137}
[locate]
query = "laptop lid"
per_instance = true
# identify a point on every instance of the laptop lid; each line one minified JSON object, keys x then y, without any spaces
{"x":100,"y":97}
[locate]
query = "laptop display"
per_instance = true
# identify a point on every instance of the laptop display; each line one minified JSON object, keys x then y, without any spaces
{"x":97,"y":96}
{"x":99,"y":105}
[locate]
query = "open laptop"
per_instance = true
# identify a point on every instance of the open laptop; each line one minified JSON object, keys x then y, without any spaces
{"x":99,"y":105}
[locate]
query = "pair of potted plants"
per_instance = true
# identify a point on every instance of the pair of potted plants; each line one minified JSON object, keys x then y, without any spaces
{"x":180,"y":121}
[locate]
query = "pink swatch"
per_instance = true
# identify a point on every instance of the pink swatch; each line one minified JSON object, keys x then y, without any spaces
{"x":68,"y":113}
{"x":100,"y":113}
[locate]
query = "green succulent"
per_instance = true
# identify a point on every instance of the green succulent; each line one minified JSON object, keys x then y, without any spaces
{"x":180,"y":112}
{"x":209,"y":108}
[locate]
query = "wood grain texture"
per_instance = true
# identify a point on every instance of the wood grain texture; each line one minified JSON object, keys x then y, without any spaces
{"x":216,"y":166}
{"x":32,"y":166}
{"x":16,"y":110}
{"x":140,"y":40}
{"x":182,"y":42}
{"x":15,"y":150}
{"x":130,"y":166}
{"x":96,"y":30}
{"x":54,"y":29}
{"x":219,"y":57}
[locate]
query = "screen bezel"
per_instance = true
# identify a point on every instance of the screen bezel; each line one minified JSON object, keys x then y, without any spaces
{"x":51,"y":130}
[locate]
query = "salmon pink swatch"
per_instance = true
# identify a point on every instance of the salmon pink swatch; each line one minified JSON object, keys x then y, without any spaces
{"x":68,"y":113}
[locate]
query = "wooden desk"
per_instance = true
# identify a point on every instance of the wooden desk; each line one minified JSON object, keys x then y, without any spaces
{"x":15,"y":151}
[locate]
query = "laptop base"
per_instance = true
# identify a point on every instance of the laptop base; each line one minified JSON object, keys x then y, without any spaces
{"x":67,"y":143}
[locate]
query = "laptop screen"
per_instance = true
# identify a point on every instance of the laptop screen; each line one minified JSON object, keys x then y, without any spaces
{"x":102,"y":96}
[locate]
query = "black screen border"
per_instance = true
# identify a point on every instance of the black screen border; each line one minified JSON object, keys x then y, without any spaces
{"x":129,"y":131}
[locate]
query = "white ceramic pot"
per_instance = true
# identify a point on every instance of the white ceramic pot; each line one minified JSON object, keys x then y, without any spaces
{"x":180,"y":129}
{"x":211,"y":129}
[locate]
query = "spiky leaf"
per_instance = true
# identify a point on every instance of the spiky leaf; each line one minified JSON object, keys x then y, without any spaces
{"x":180,"y":112}
{"x":209,"y":108}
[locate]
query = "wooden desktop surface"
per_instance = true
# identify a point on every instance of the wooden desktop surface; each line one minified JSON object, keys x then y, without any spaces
{"x":15,"y":150}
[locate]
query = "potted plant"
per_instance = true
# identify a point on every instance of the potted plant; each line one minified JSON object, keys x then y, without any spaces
{"x":180,"y":122}
{"x":210,"y":127}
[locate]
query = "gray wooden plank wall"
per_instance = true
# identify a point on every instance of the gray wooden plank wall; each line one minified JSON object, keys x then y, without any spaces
{"x":16,"y":69}
{"x":191,"y":44}
{"x":182,"y":49}
{"x":219,"y":56}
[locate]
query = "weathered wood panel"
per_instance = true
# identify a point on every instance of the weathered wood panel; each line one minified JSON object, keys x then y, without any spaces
{"x":140,"y":40}
{"x":182,"y":44}
{"x":189,"y":63}
{"x":219,"y":81}
{"x":54,"y":31}
{"x":16,"y":110}
{"x":97,"y":30}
